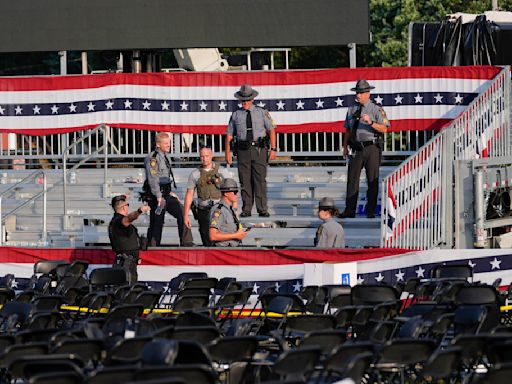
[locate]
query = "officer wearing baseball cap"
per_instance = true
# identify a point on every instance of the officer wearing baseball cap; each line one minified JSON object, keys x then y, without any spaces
{"x":225,"y":228}
{"x":330,"y":234}
{"x":124,"y":237}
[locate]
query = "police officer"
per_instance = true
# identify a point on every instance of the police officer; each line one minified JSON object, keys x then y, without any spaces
{"x":330,"y":234}
{"x":366,"y":124}
{"x":160,"y":180}
{"x":124,"y":237}
{"x":206,"y":181}
{"x":253,"y":130}
{"x":225,"y":229}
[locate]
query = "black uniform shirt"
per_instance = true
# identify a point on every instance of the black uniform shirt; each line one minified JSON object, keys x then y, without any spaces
{"x":123,"y":239}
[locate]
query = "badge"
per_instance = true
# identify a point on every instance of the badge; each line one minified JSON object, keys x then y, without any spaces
{"x":216,"y":213}
{"x":214,"y":222}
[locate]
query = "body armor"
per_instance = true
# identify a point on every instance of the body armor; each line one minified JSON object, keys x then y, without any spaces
{"x":208,"y":184}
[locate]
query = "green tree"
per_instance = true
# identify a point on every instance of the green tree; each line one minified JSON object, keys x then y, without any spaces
{"x":390,"y":25}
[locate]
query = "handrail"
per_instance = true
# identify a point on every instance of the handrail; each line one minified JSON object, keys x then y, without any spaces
{"x":26,"y":202}
{"x":100,"y":128}
{"x":422,"y":184}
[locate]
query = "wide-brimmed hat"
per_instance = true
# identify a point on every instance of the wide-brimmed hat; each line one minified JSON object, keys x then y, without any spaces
{"x":246,"y":93}
{"x":228,"y":185}
{"x":362,"y":86}
{"x":326,"y":203}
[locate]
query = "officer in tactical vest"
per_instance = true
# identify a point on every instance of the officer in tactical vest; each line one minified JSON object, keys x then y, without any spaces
{"x":124,"y":237}
{"x":366,"y":123}
{"x":330,"y":234}
{"x":206,"y":181}
{"x":159,"y":183}
{"x":253,"y":130}
{"x":225,"y":228}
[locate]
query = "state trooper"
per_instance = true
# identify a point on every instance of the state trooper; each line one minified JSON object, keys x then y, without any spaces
{"x":158,"y":192}
{"x":253,"y":131}
{"x":206,"y":181}
{"x":330,"y":234}
{"x":225,"y":228}
{"x":366,"y":123}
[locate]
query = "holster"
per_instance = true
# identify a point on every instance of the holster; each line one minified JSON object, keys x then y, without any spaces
{"x":124,"y":260}
{"x":233,"y":145}
{"x":194,"y":209}
{"x":355,"y":145}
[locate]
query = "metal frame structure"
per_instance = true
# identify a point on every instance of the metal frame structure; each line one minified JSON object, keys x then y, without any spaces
{"x":423,"y":185}
{"x":13,"y":188}
{"x":133,"y":145}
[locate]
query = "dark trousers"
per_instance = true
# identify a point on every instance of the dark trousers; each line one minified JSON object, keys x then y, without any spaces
{"x":128,"y":261}
{"x":203,"y":218}
{"x":369,"y":158}
{"x":156,"y":222}
{"x":252,"y":172}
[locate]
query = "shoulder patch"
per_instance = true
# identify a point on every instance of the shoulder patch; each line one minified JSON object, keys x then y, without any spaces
{"x":384,"y":116}
{"x":319,"y":230}
{"x":214,"y":222}
{"x":216,"y":213}
{"x":152,"y":166}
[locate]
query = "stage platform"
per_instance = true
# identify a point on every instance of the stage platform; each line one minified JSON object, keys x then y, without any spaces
{"x":287,"y":270}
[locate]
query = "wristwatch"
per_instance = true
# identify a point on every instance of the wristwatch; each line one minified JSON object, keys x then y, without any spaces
{"x":139,"y":210}
{"x":273,"y":149}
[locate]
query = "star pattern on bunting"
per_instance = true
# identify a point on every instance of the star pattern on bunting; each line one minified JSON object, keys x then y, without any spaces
{"x":276,"y":105}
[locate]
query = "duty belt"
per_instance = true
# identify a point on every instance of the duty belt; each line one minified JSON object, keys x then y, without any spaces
{"x":248,"y":144}
{"x":367,"y":143}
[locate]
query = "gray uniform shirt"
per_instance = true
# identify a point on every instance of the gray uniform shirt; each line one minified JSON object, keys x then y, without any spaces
{"x":221,"y":217}
{"x":194,"y":178}
{"x":330,"y":235}
{"x":157,"y":171}
{"x":364,"y":131}
{"x":262,"y":123}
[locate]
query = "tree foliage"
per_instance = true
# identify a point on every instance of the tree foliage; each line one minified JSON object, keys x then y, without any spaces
{"x":390,"y":25}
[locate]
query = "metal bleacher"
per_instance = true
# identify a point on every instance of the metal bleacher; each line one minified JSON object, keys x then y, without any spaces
{"x":293,"y":197}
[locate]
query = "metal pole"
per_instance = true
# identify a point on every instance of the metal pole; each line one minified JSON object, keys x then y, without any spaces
{"x":495,"y":5}
{"x":2,"y":230}
{"x":83,"y":56}
{"x":45,"y":235}
{"x":352,"y":54}
{"x":63,"y":62}
{"x":65,"y":189}
{"x":480,"y":232}
{"x":106,"y":137}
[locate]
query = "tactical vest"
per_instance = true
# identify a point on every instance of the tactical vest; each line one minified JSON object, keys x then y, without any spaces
{"x":208,"y":184}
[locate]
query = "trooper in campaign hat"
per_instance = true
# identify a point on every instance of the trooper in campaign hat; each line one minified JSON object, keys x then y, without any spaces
{"x":246,"y":93}
{"x":326,"y":203}
{"x":330,"y":233}
{"x":251,"y":130}
{"x":228,"y":185}
{"x":362,"y":86}
{"x":366,"y":123}
{"x":225,"y":228}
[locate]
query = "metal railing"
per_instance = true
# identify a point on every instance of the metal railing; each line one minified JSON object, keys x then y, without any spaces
{"x":13,"y":188}
{"x":133,"y":145}
{"x":423,"y":185}
{"x":94,"y":133}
